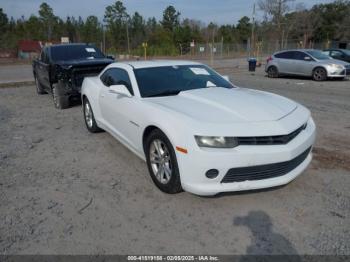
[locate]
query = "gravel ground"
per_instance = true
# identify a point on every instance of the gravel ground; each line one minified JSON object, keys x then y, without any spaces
{"x":66,"y":191}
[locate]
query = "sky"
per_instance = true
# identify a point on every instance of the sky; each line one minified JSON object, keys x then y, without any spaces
{"x":217,"y":11}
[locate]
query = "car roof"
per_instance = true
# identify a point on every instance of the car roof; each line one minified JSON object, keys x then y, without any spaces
{"x":71,"y":44}
{"x":300,"y":50}
{"x":158,"y":63}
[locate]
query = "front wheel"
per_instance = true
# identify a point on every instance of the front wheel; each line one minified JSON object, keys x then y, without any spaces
{"x":89,"y":117}
{"x":162,"y":163}
{"x":319,"y":74}
{"x":60,"y":100}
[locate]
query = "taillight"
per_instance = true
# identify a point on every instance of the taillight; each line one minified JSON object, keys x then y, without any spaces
{"x":269,"y":59}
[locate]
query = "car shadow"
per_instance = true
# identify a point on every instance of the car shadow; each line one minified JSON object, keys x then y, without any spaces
{"x":309,"y":78}
{"x":75,"y":101}
{"x":264,"y":240}
{"x":245,"y":192}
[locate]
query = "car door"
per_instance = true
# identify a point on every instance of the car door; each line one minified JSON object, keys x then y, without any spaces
{"x":44,"y":68}
{"x":304,"y":63}
{"x":285,"y":62}
{"x":115,"y":108}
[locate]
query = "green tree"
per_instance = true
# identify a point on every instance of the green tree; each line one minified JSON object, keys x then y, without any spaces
{"x":138,"y":30}
{"x":70,"y":29}
{"x":227,"y":32}
{"x":243,"y":28}
{"x":330,"y":21}
{"x":117,"y":20}
{"x":171,"y":18}
{"x":3,"y":20}
{"x":33,"y":28}
{"x":48,"y":19}
{"x":3,"y":27}
{"x":91,"y":32}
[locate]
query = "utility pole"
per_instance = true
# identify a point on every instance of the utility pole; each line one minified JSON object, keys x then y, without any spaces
{"x":212,"y":48}
{"x":127,"y":36}
{"x":144,"y":45}
{"x":252,"y":42}
{"x":104,"y":38}
{"x":127,"y":32}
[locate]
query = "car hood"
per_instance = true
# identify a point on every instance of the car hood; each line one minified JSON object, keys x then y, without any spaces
{"x":222,"y":105}
{"x":333,"y":61}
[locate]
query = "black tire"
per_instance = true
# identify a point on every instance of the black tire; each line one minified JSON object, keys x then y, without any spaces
{"x":39,"y":88}
{"x":91,"y":126}
{"x":319,"y":74}
{"x":60,"y":100}
{"x":173,"y":185}
{"x":272,"y":72}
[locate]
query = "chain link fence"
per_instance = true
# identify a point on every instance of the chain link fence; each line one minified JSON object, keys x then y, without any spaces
{"x":216,"y":51}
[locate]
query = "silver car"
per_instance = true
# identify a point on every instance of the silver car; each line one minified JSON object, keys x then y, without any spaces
{"x":306,"y":62}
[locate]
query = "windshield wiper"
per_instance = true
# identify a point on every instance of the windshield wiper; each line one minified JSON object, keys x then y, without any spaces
{"x":166,"y":93}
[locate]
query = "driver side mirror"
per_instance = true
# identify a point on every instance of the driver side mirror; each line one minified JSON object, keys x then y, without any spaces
{"x":121,"y":90}
{"x":307,"y":58}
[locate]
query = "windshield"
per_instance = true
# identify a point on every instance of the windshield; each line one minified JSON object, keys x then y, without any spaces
{"x":74,"y":52}
{"x":170,"y":80}
{"x":318,"y":55}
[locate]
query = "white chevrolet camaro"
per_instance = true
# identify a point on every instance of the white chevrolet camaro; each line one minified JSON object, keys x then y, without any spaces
{"x":196,"y":130}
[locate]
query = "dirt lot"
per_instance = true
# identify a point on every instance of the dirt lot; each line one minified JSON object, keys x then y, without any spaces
{"x":66,"y":191}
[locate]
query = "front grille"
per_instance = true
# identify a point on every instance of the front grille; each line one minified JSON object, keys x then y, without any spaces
{"x":270,"y":140}
{"x":241,"y":174}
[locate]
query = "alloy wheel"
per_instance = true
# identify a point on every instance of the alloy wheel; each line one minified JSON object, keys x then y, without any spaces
{"x":319,"y":74}
{"x":160,"y":161}
{"x":54,"y":96}
{"x":272,"y":72}
{"x":88,"y":115}
{"x":37,"y":85}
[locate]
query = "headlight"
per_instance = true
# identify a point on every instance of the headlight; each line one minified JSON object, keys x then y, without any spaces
{"x":336,"y":66}
{"x":216,"y":141}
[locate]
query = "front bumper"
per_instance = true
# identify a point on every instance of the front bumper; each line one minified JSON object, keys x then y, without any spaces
{"x":332,"y":72}
{"x":194,"y":165}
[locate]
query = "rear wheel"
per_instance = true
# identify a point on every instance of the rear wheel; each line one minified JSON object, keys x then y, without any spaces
{"x":319,"y":74}
{"x":272,"y":72}
{"x":162,"y":162}
{"x":39,"y":89}
{"x":89,"y":117}
{"x":60,"y":100}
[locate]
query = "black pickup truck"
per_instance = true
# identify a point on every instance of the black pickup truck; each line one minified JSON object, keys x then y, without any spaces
{"x":60,"y":70}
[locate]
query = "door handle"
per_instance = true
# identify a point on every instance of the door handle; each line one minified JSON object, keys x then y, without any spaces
{"x":112,"y":92}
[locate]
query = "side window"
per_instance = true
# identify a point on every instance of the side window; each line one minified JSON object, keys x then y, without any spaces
{"x":117,"y":76}
{"x":285,"y":55}
{"x":44,"y":57}
{"x":301,"y":56}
